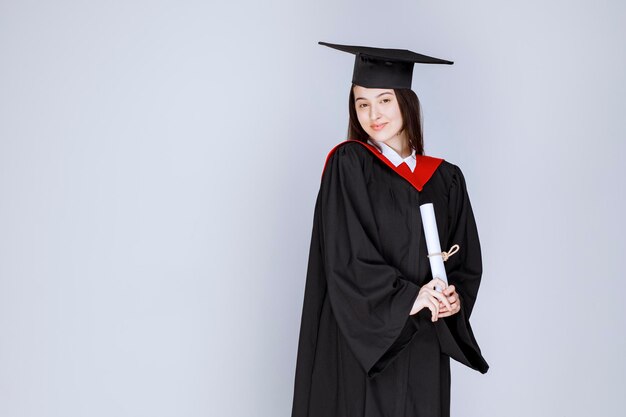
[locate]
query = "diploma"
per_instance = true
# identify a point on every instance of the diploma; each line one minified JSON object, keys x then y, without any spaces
{"x":435,"y":255}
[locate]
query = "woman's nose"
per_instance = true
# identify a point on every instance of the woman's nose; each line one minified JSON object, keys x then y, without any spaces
{"x":374,"y":113}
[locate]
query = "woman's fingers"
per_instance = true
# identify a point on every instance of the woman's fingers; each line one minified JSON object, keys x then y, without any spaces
{"x":445,"y":314}
{"x":439,"y":296}
{"x":435,"y":308}
{"x":455,"y":308}
{"x":440,"y":303}
{"x":450,"y":290}
{"x":429,"y":302}
{"x":452,"y":298}
{"x":437,"y":282}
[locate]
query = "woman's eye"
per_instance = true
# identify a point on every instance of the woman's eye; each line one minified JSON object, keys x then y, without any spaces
{"x":386,"y":100}
{"x":362,"y":105}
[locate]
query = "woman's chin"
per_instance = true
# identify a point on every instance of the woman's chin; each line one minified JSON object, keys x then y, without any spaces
{"x":379,"y":136}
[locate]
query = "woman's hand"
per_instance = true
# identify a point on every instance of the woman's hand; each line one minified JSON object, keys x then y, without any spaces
{"x":453,"y":300}
{"x":432,"y":299}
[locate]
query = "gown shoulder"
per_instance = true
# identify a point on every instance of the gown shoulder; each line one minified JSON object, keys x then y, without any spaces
{"x":346,"y":155}
{"x":348,"y":148}
{"x":449,"y":170}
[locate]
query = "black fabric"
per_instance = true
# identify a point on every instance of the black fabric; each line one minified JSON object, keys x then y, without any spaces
{"x":384,"y":67}
{"x":360,"y":353}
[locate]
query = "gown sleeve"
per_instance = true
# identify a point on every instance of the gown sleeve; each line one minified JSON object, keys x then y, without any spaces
{"x":370,"y":299}
{"x":464,"y":269}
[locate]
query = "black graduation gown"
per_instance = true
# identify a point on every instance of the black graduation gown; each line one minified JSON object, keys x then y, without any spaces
{"x":360,"y":353}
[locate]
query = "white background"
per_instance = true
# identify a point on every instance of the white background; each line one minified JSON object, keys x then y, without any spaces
{"x":159,"y":163}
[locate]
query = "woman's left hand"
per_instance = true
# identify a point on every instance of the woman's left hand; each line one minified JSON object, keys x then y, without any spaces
{"x":453,"y":299}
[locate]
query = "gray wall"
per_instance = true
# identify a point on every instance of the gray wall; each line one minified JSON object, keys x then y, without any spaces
{"x":159,"y":163}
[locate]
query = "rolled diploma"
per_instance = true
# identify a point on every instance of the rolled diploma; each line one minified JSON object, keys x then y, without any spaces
{"x":432,"y":242}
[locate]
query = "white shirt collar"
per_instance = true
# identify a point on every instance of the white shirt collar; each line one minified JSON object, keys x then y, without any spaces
{"x":389,"y":153}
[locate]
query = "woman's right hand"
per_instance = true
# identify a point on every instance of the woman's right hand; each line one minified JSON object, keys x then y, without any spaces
{"x":429,"y":297}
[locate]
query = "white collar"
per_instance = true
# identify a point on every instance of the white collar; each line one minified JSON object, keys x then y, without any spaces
{"x":389,"y":153}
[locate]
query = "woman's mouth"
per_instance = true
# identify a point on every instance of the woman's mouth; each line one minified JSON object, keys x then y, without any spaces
{"x":378,"y":127}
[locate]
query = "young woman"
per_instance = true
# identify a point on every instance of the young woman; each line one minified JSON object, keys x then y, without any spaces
{"x":376,"y":335}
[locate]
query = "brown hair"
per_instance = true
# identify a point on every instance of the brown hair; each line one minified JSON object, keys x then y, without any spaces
{"x":411,"y":117}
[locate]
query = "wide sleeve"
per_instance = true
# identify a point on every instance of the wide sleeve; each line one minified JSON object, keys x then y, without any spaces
{"x":370,"y":299}
{"x":464,"y":269}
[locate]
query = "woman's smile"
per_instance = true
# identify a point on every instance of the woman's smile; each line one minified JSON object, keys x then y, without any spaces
{"x":378,"y":127}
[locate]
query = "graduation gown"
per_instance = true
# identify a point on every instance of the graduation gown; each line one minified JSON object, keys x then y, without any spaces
{"x":360,"y":353}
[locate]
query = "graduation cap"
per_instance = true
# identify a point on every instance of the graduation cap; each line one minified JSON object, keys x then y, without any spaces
{"x":383,"y":67}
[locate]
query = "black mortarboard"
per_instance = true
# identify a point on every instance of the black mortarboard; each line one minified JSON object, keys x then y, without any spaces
{"x":382,"y":67}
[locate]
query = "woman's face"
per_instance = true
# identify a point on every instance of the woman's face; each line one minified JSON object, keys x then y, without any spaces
{"x":378,"y":112}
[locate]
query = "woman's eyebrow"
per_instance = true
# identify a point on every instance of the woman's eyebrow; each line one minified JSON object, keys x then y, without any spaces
{"x":363,"y":98}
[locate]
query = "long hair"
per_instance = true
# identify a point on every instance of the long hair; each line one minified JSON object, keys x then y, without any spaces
{"x":411,"y":119}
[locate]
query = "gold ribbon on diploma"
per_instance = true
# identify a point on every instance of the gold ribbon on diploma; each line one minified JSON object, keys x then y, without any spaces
{"x":445,"y":255}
